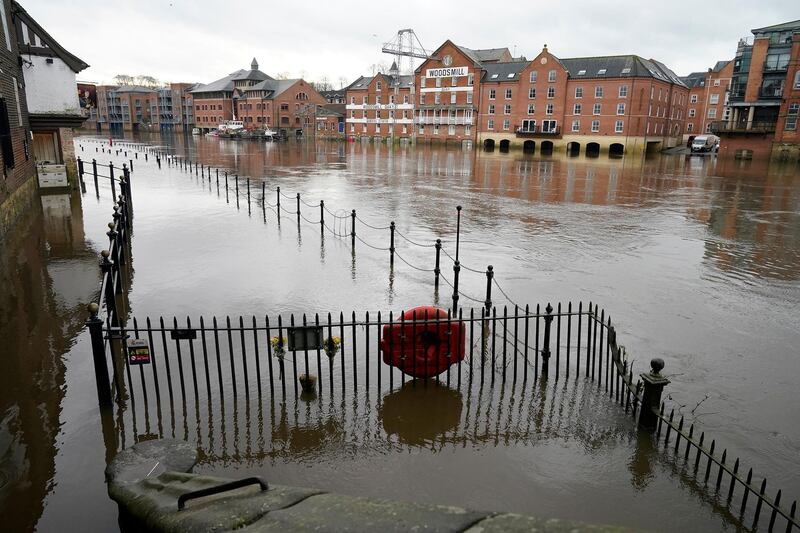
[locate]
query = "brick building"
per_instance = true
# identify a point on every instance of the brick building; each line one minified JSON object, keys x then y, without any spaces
{"x":258,"y":100}
{"x":173,"y":108}
{"x":764,"y":94}
{"x":381,"y":106}
{"x":709,"y":94}
{"x":125,"y":108}
{"x":17,"y":184}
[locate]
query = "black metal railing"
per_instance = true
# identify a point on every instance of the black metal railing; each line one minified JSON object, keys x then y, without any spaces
{"x":742,"y":127}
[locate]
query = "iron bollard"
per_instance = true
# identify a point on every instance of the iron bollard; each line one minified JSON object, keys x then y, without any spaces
{"x":95,"y":326}
{"x":111,"y":175}
{"x":456,"y":270}
{"x":322,"y":213}
{"x":654,"y":384}
{"x":236,"y":182}
{"x":489,"y":277}
{"x":226,"y":180}
{"x":353,"y":227}
{"x":279,"y":201}
{"x":548,"y":320}
{"x":436,"y":270}
{"x":298,"y":208}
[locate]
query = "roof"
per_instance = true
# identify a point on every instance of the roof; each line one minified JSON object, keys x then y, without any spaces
{"x":360,"y":84}
{"x":227,"y":84}
{"x":783,"y":26}
{"x":491,"y":55}
{"x":51,"y":46}
{"x":695,"y":79}
{"x":134,"y":89}
{"x":720,"y":65}
{"x":503,"y":71}
{"x":619,"y":67}
{"x":272,"y":87}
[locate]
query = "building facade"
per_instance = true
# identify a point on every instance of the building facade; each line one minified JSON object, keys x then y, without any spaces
{"x":381,"y":107}
{"x":709,"y":98}
{"x":53,"y":104}
{"x":125,"y":108}
{"x":764,"y":94}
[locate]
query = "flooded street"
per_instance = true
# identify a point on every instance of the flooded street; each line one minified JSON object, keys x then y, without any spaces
{"x":696,"y":259}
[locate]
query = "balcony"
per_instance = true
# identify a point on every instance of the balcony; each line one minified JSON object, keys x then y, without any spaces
{"x":742,"y":128}
{"x":537,"y":131}
{"x":445,"y":121}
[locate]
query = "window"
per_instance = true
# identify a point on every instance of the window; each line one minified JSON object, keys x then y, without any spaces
{"x":551,"y":76}
{"x":378,"y":85}
{"x":422,"y":83}
{"x":422,"y":129}
{"x":620,"y":109}
{"x":469,"y":97}
{"x":5,"y":128}
{"x":533,"y":76}
{"x":352,"y":128}
{"x":508,"y":94}
{"x":623,"y":91}
{"x":576,"y":110}
{"x":797,"y":80}
{"x":716,"y":82}
{"x":596,"y":110}
{"x":436,"y":126}
{"x":451,"y":129}
{"x":438,"y":84}
{"x":531,"y":109}
{"x":528,"y":125}
{"x":713,"y":99}
{"x":772,"y":88}
{"x":693,"y":99}
{"x":421,"y":99}
{"x":581,"y":72}
{"x":492,"y":94}
{"x":692,"y":112}
{"x":551,"y":92}
{"x":549,"y":109}
{"x":364,"y":100}
{"x":578,"y":92}
{"x":491,"y":109}
{"x":490,"y":125}
{"x":618,"y":126}
{"x":437,"y":98}
{"x":601,"y":72}
{"x":532,"y":92}
{"x":776,"y":62}
{"x":507,"y":109}
{"x":471,"y":79}
{"x":377,"y":99}
{"x":391,"y":98}
{"x":549,"y":126}
{"x":595,"y":125}
{"x":626,"y":70}
{"x":467,"y":130}
{"x":689,"y":127}
{"x":712,"y":113}
{"x":598,"y":91}
{"x":405,"y":98}
{"x":506,"y":124}
{"x":453,"y":98}
{"x":453,"y":81}
{"x":576,"y":125}
{"x":791,"y":116}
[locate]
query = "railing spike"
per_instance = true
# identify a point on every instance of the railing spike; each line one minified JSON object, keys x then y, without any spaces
{"x":734,"y":477}
{"x":775,"y":506}
{"x":760,"y":502}
{"x":747,"y":490}
{"x":721,"y":470}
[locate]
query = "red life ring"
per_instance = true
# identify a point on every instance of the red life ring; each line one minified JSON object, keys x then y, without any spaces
{"x":423,"y":343}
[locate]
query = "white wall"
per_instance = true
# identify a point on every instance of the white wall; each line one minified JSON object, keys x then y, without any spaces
{"x":50,"y":88}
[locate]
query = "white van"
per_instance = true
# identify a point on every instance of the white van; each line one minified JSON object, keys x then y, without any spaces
{"x":705,"y":143}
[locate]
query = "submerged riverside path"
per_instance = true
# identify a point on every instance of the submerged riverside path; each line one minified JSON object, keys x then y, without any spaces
{"x":516,"y":217}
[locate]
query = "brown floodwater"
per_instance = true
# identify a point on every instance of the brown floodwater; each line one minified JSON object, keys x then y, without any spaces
{"x":696,"y":258}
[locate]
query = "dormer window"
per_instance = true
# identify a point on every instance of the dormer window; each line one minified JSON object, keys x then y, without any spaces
{"x":601,"y":72}
{"x":510,"y":75}
{"x":581,"y":72}
{"x":626,"y":70}
{"x":493,"y":76}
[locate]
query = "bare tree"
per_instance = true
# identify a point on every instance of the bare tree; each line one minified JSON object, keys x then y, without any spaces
{"x":147,"y":81}
{"x":124,"y":79}
{"x":282,"y":75}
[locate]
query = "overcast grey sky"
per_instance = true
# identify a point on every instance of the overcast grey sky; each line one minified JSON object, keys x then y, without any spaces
{"x":202,"y":40}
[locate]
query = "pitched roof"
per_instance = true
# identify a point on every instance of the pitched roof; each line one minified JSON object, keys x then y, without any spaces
{"x":783,"y":26}
{"x":618,"y":67}
{"x":360,"y":84}
{"x":272,"y":87}
{"x":72,"y":61}
{"x":134,"y":89}
{"x":487,"y":55}
{"x":227,"y":84}
{"x":695,"y":79}
{"x":720,"y":65}
{"x":503,"y":71}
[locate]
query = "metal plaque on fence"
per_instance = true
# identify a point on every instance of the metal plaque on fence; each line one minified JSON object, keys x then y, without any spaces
{"x":305,"y":338}
{"x":183,"y":334}
{"x":138,"y":352}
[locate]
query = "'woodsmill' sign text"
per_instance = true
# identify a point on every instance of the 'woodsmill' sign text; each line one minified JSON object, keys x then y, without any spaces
{"x":446,"y":72}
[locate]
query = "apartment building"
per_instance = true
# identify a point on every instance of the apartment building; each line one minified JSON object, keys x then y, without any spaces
{"x":125,"y":108}
{"x":709,"y":94}
{"x":764,"y":94}
{"x":172,"y":110}
{"x":381,"y":106}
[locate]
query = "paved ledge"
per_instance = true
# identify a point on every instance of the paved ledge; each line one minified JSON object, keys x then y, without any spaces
{"x":148,"y":479}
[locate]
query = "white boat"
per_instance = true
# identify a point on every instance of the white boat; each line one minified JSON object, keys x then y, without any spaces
{"x":213,"y":133}
{"x":270,"y":135}
{"x":231,"y":126}
{"x":196,"y":131}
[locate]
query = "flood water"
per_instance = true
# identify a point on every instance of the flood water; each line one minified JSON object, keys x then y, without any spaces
{"x":696,"y":259}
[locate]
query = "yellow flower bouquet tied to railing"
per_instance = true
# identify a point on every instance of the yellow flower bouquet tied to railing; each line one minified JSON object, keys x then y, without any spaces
{"x":331,"y":346}
{"x":278,"y":346}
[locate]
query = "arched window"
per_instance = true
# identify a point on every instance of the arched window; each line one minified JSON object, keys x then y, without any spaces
{"x":301,"y":96}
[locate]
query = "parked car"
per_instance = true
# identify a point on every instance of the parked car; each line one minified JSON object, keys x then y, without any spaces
{"x":705,"y":143}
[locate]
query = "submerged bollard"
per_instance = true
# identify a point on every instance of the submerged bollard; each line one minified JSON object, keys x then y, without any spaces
{"x":436,"y":270}
{"x":654,"y":384}
{"x":548,"y":320}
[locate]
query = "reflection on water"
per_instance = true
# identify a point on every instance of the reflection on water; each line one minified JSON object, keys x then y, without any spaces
{"x":46,"y":273}
{"x":418,"y":414}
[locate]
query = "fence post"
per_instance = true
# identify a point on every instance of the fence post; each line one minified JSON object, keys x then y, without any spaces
{"x":158,"y":161}
{"x":456,"y":270}
{"x":436,"y":270}
{"x":111,"y":175}
{"x":129,"y":204}
{"x":106,"y":267}
{"x":248,"y":190}
{"x":548,"y":320}
{"x":298,"y":208}
{"x":279,"y":201}
{"x":654,"y":384}
{"x":145,"y":156}
{"x":131,"y":161}
{"x":95,"y":325}
{"x":489,"y":277}
{"x":80,"y":175}
{"x":353,"y":227}
{"x":391,"y":242}
{"x":322,"y":213}
{"x":236,"y":182}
